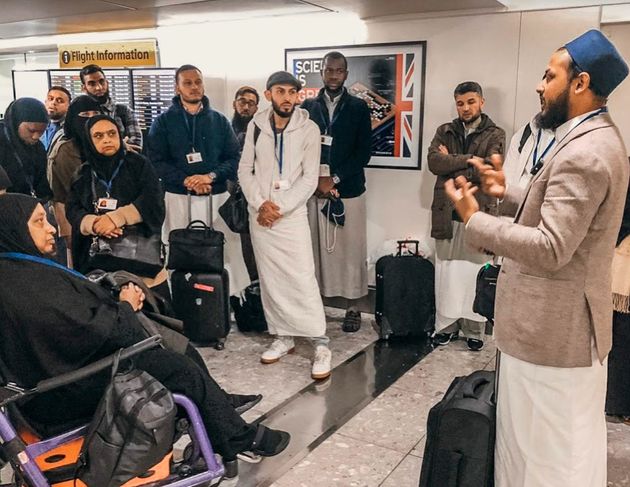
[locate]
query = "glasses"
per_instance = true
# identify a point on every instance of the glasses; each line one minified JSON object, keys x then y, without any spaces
{"x":100,"y":135}
{"x":243,"y":102}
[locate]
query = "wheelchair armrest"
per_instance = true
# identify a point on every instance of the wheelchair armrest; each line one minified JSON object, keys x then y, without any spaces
{"x":14,"y":392}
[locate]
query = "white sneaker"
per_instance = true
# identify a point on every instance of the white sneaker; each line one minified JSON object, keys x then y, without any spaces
{"x":321,"y":363}
{"x":278,"y":349}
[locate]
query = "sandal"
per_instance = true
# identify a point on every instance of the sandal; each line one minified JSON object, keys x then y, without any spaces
{"x":351,"y":322}
{"x":268,"y":442}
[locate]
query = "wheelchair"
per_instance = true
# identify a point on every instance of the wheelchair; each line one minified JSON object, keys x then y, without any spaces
{"x":39,"y":462}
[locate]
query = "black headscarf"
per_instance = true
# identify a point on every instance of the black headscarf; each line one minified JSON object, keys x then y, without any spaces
{"x":5,"y":180}
{"x":74,"y":125}
{"x":15,"y":211}
{"x":103,"y":165}
{"x":23,"y":110}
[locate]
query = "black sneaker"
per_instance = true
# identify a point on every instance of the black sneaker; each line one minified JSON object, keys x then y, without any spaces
{"x":352,"y":321}
{"x":442,"y":339}
{"x":474,"y":344}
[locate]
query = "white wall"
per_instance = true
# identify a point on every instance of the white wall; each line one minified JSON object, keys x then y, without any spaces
{"x":619,"y":34}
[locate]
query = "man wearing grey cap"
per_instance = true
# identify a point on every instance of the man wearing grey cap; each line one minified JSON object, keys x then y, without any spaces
{"x":278,"y":172}
{"x":553,"y":311}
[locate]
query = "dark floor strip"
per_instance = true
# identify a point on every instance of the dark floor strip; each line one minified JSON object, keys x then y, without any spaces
{"x":321,"y":408}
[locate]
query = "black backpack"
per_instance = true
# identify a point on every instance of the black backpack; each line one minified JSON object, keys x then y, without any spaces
{"x":132,"y":430}
{"x":248,"y":309}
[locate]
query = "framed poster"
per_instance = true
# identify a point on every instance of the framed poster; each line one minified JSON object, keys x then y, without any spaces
{"x":390,"y":78}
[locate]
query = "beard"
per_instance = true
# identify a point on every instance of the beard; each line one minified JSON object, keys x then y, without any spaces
{"x":103,"y":98}
{"x":473,"y":119}
{"x":280,"y":112}
{"x":556,"y":112}
{"x":240,"y":121}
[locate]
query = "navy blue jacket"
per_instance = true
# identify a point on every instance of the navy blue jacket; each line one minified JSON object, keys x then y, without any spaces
{"x":352,"y":140}
{"x":170,"y":139}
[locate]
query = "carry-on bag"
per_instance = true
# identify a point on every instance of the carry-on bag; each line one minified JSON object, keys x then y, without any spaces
{"x":248,"y":309}
{"x":405,"y":294}
{"x":459,"y":450}
{"x":198,"y":247}
{"x":201,"y":301}
{"x":485,"y":290}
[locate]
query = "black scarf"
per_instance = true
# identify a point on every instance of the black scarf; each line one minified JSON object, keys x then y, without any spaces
{"x":74,"y":124}
{"x":104,"y":166}
{"x":15,"y":211}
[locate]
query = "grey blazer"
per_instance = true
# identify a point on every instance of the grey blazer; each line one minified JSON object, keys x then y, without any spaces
{"x":554,"y":289}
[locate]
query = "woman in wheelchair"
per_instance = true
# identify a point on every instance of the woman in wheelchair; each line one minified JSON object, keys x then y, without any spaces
{"x":53,"y":321}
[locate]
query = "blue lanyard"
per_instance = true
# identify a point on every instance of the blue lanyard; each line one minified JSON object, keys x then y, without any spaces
{"x":108,"y":184}
{"x":535,"y":159}
{"x":279,"y":155}
{"x":327,"y":121}
{"x":40,"y":260}
{"x":194,"y":128}
{"x":538,"y":164}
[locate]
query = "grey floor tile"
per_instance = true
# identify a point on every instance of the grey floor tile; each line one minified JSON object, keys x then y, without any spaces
{"x":344,"y":462}
{"x":418,"y":450}
{"x":396,"y":420}
{"x":618,"y":455}
{"x":406,"y":474}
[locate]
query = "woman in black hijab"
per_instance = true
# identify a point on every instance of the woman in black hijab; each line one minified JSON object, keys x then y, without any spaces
{"x":21,"y":153}
{"x":126,"y":180}
{"x":55,"y":321}
{"x":66,"y":156}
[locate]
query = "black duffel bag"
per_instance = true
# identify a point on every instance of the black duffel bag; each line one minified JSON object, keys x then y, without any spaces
{"x":198,"y":247}
{"x":485,"y":290}
{"x":135,"y":251}
{"x":235,"y":213}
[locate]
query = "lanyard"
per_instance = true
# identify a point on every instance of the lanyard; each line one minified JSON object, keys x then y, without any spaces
{"x":536,"y":159}
{"x":327,"y":121}
{"x":39,"y":260}
{"x":539,"y":163}
{"x":108,"y":184}
{"x":30,"y":180}
{"x":279,"y":154}
{"x":194,"y":128}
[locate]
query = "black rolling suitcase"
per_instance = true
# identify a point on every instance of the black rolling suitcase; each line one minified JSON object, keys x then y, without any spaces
{"x":405,"y":294}
{"x":201,"y":299}
{"x":459,"y":451}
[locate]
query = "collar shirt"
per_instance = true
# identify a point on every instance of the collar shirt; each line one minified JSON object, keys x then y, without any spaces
{"x":566,"y":127}
{"x":331,"y":103}
{"x":471,"y":127}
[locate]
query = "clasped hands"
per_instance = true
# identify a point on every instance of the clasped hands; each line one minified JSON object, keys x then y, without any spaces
{"x":199,"y":183}
{"x":268,"y":213}
{"x":104,"y":226}
{"x":132,"y":294}
{"x":462,"y":192}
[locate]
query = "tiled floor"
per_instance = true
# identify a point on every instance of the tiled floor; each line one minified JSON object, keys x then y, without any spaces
{"x":383,"y":444}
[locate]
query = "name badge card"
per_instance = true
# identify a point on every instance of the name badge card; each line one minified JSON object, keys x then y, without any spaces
{"x":281,"y":185}
{"x":194,"y":157}
{"x":107,"y":204}
{"x":324,"y":170}
{"x":327,"y":140}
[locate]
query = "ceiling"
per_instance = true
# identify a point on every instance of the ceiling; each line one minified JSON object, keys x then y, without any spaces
{"x":22,"y":18}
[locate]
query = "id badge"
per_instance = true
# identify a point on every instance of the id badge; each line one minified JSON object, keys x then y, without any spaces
{"x":324,"y":170}
{"x":281,"y":185}
{"x":327,"y":140}
{"x":194,"y":157}
{"x":107,"y":204}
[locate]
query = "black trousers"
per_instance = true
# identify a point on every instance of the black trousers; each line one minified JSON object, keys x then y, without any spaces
{"x":618,"y":395}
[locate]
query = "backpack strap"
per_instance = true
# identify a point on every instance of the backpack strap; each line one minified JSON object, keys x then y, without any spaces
{"x":527,"y":132}
{"x":256,"y":135}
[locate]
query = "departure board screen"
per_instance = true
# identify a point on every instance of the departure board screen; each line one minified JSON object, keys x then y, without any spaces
{"x":119,"y":83}
{"x":153,"y":92}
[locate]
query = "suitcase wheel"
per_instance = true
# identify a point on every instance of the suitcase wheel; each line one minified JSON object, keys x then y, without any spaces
{"x":219,"y":345}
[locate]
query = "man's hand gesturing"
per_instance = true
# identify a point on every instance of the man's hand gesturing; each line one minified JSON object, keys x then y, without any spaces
{"x":492,"y":175}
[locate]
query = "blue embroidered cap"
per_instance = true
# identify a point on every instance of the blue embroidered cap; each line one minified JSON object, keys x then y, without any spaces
{"x":595,"y":54}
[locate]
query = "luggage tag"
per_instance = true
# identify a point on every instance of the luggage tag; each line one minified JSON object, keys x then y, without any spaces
{"x":324,"y":170}
{"x":194,"y":157}
{"x":107,"y":204}
{"x":281,"y":185}
{"x":327,"y":140}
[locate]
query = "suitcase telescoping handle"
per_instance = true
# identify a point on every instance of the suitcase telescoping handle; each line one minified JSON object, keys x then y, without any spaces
{"x":193,"y":223}
{"x":405,"y":242}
